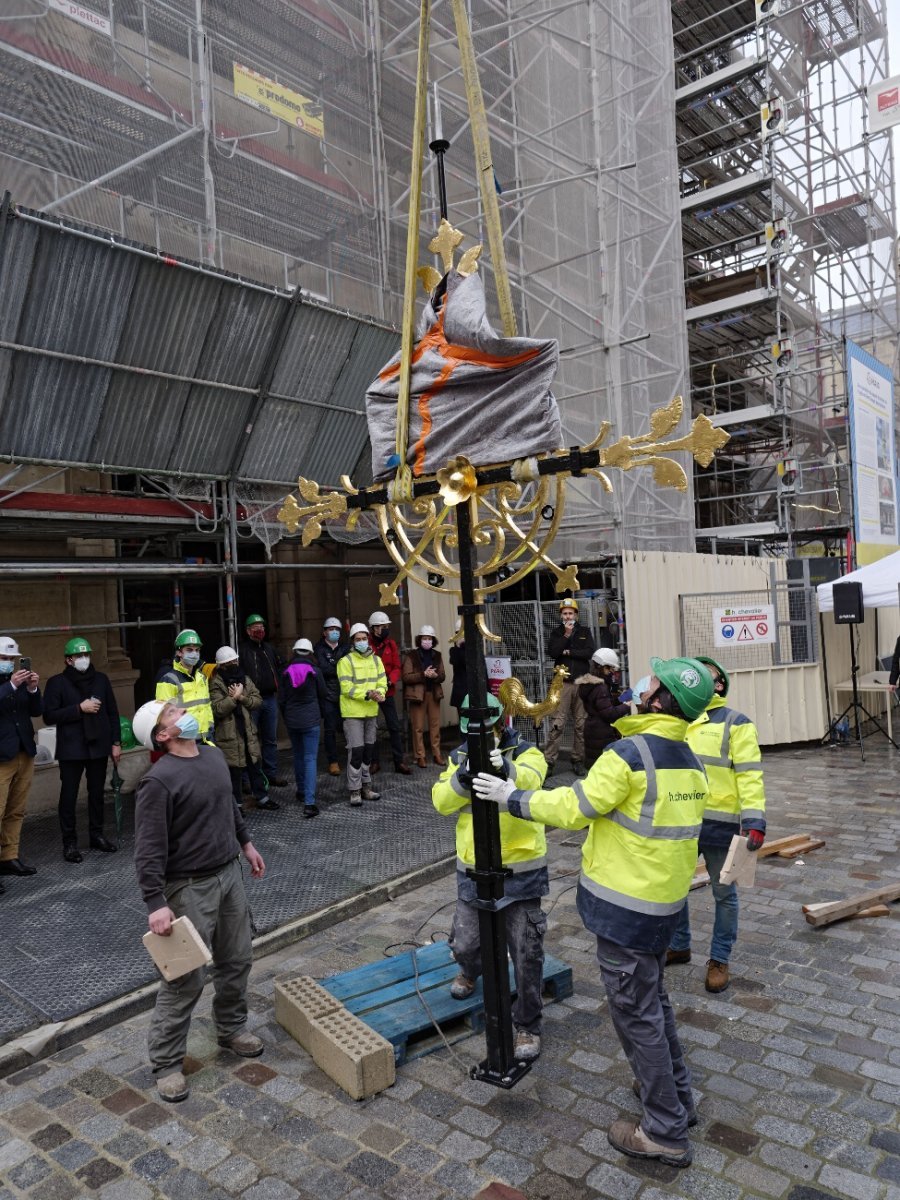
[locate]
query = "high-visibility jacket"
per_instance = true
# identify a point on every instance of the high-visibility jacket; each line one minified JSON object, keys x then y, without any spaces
{"x":523,"y":844}
{"x":357,"y":674}
{"x":642,"y":804}
{"x":189,"y":690}
{"x":726,"y":743}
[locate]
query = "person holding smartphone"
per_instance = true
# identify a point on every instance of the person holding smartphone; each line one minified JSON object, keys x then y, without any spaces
{"x":20,"y":701}
{"x":81,"y":704}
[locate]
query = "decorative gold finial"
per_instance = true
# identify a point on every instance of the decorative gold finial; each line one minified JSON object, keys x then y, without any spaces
{"x":457,"y":481}
{"x":445,"y":242}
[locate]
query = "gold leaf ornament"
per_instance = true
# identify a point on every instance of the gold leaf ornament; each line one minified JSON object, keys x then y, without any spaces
{"x":469,"y":261}
{"x":445,"y":242}
{"x":664,"y":420}
{"x":706,"y":439}
{"x":430,"y":278}
{"x":457,"y":481}
{"x":668,"y":473}
{"x":289,"y":514}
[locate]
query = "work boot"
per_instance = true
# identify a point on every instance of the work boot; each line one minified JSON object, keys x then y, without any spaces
{"x":247,"y":1045}
{"x":630,"y":1139}
{"x":578,"y":768}
{"x":310,"y":810}
{"x":689,"y":1108}
{"x":334,"y":768}
{"x":369,"y":793}
{"x":72,"y":854}
{"x":716,"y":976}
{"x":355,"y":799}
{"x":104,"y":844}
{"x":677,"y":956}
{"x":266,"y":805}
{"x":527,"y":1047}
{"x":15,"y":866}
{"x":172,"y":1088}
{"x":462,"y":987}
{"x":402,"y":769}
{"x":374,"y":768}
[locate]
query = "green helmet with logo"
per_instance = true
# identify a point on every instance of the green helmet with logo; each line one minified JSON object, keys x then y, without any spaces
{"x":494,"y":706}
{"x":711,"y":662}
{"x":187,"y":637}
{"x":77,"y":645}
{"x":254,"y":619}
{"x":688,"y":681}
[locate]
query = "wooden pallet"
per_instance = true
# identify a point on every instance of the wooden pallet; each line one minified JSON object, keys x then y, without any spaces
{"x":383,"y":994}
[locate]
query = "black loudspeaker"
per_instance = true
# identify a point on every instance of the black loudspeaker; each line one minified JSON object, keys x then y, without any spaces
{"x":848,"y":604}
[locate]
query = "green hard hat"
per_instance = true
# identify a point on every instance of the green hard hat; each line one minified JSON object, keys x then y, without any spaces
{"x":493,"y":704}
{"x":187,"y":637}
{"x":711,"y":662}
{"x":254,"y":619}
{"x":77,"y":645}
{"x":688,"y":681}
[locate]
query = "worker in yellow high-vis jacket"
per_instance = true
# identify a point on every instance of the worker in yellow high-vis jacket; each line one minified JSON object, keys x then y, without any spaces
{"x":726,"y":743}
{"x":642,"y":804}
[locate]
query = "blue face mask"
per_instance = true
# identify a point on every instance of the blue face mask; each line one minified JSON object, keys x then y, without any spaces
{"x":333,"y":635}
{"x":7,"y":668}
{"x":190,"y":658}
{"x":187,"y":727}
{"x":361,"y":647}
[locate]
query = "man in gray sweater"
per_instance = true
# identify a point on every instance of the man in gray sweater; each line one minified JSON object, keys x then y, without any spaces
{"x":189,"y":836}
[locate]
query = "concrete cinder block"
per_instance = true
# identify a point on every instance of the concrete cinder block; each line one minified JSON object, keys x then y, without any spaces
{"x":297,"y":1002}
{"x":357,"y":1058}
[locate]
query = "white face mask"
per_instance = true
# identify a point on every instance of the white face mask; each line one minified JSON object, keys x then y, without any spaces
{"x":81,"y":663}
{"x":361,"y":647}
{"x":426,"y":643}
{"x":190,"y":658}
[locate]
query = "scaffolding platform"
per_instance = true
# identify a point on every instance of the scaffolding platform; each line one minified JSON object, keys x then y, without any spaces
{"x":405,"y":996}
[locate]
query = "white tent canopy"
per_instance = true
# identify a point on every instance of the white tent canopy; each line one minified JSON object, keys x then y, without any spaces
{"x":879,"y":581}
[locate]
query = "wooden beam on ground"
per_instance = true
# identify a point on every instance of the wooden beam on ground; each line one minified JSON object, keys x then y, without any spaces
{"x":701,"y":875}
{"x":824,"y":914}
{"x":773,"y":847}
{"x":801,"y":848}
{"x":877,"y":910}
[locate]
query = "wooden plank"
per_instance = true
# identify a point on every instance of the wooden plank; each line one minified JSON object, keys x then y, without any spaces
{"x":772,"y":847}
{"x":801,"y":848}
{"x":877,"y":910}
{"x":824,"y":914}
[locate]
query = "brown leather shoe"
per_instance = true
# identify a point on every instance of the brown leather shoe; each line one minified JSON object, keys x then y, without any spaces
{"x":420,"y":762}
{"x":440,"y":762}
{"x":402,"y":769}
{"x":677,"y":956}
{"x":716,"y":976}
{"x":630,"y":1139}
{"x":334,"y":768}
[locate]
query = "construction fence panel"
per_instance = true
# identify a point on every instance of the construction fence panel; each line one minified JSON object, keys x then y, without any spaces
{"x":795,"y":642}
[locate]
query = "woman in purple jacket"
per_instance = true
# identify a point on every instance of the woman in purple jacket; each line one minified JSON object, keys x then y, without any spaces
{"x":301,"y":698}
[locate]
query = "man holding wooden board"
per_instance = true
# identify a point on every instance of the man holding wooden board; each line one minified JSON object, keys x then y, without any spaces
{"x":726,"y":743}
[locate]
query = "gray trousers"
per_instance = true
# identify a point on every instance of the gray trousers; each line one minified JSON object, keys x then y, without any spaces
{"x":359,"y":734}
{"x":526,"y":924}
{"x":217,"y":905}
{"x":645,"y":1023}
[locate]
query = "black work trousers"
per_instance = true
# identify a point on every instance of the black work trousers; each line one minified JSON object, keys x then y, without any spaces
{"x":70,"y":773}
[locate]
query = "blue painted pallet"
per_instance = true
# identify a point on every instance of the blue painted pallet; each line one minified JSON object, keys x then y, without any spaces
{"x":384,"y":994}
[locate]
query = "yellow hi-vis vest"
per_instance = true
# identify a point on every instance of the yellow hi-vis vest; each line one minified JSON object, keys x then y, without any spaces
{"x":358,"y":674}
{"x":642,"y":804}
{"x":726,"y":743}
{"x":188,"y":691}
{"x":523,"y":844}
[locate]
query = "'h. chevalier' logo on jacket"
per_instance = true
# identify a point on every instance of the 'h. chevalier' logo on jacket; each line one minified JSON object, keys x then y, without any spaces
{"x":676,"y":796}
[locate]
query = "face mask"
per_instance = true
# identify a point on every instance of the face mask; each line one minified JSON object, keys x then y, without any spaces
{"x":190,"y":658}
{"x":333,"y":635}
{"x":82,"y":663}
{"x":7,"y":668}
{"x":361,"y":647}
{"x":257,"y":634}
{"x":426,"y":643}
{"x":233,"y":673}
{"x":187,"y":727}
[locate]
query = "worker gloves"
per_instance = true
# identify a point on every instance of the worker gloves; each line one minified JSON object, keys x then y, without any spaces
{"x":489,"y":787}
{"x":755,"y":839}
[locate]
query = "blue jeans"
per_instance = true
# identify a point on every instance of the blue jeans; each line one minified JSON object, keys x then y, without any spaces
{"x":305,"y":744}
{"x":265,"y":718}
{"x":725,"y":925}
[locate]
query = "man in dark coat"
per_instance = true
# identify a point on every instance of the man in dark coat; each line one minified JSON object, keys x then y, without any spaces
{"x":81,"y":704}
{"x":262,"y":663}
{"x":570,"y":646}
{"x":20,"y":700}
{"x":328,"y":649}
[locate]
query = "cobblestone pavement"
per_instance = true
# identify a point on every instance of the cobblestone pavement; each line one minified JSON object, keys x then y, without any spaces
{"x":796,"y":1067}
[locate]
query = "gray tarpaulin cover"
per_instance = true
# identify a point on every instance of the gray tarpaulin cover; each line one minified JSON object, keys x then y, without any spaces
{"x":472,"y":391}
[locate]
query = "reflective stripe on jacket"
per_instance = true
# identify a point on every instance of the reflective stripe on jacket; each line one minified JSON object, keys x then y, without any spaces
{"x":358,"y":674}
{"x":726,"y":743}
{"x":189,"y":690}
{"x":523,"y":844}
{"x":642,"y":804}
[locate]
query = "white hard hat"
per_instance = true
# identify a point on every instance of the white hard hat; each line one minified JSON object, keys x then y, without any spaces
{"x":379,"y":618}
{"x":9,"y":647}
{"x":332,"y":623}
{"x":144,"y":720}
{"x":303,"y":644}
{"x":359,"y":628}
{"x":606,"y":658}
{"x":428,"y":631}
{"x":225,"y":654}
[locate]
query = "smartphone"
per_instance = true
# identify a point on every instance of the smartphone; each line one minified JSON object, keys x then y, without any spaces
{"x":25,"y":664}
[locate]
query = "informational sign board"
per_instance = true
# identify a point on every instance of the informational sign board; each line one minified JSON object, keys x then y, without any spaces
{"x":282,"y":102}
{"x":884,"y":104}
{"x":744,"y":626}
{"x":498,"y":669}
{"x":870,"y":395}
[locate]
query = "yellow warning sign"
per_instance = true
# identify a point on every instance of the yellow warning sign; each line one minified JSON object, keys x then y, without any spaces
{"x":283,"y":103}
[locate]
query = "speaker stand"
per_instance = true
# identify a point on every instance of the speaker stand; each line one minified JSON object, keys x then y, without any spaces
{"x":856,"y":706}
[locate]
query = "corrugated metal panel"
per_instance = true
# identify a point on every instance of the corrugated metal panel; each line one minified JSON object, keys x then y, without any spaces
{"x":86,"y":298}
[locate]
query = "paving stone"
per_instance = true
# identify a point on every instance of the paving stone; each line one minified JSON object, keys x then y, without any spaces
{"x":100,"y":1127}
{"x":127,"y":1145}
{"x":59,"y":1187}
{"x":271,"y":1189}
{"x":124,"y":1100}
{"x":889,"y":1168}
{"x":372,"y":1169}
{"x":126,"y":1189}
{"x":97,"y":1172}
{"x":760,"y":1179}
{"x":235,"y":1173}
{"x":568,"y":1161}
{"x":611,"y":1181}
{"x":849,"y":1183}
{"x":51,"y":1136}
{"x":26,"y":1174}
{"x":739,"y":1141}
{"x":96,"y":1083}
{"x":255,"y":1073}
{"x":784,"y":1131}
{"x":153,"y":1165}
{"x":796,"y":1163}
{"x":73,"y":1154}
